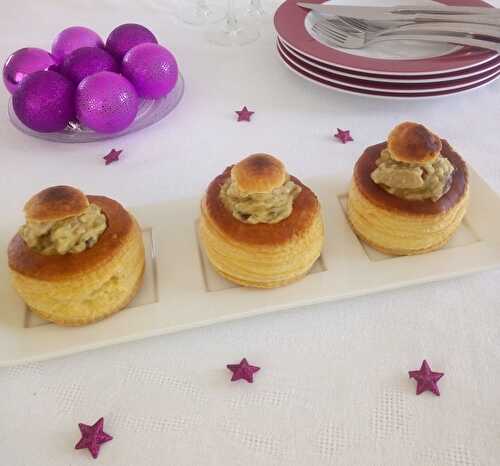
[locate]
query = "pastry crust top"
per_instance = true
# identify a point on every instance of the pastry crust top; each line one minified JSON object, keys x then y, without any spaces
{"x":305,"y":209}
{"x":378,"y":196}
{"x":55,"y":203}
{"x":413,"y":143}
{"x":30,"y":263}
{"x":259,"y":173}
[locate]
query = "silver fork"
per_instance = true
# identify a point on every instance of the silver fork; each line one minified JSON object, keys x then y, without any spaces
{"x":371,"y":30}
{"x":462,"y":35}
{"x":360,"y":25}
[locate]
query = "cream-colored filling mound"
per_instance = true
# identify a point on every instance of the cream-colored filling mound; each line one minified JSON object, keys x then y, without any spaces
{"x":411,"y":181}
{"x":272,"y":207}
{"x":70,"y":235}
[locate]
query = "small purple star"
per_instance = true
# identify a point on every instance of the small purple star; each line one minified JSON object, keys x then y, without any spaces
{"x":113,"y":156}
{"x":243,"y":370}
{"x":426,"y":379}
{"x":93,"y":437}
{"x":343,"y":135}
{"x":244,"y":114}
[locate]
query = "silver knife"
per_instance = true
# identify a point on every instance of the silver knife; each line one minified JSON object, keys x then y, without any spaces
{"x":357,"y":11}
{"x":368,"y":14}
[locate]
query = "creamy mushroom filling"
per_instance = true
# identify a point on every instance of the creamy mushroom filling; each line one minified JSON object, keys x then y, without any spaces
{"x":272,"y":207}
{"x":411,"y":181}
{"x":73,"y":234}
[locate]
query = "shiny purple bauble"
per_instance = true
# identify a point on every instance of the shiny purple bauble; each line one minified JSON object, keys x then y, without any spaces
{"x":86,"y":61}
{"x":125,"y":37}
{"x":106,"y":102}
{"x":72,"y":38}
{"x":152,"y":70}
{"x":23,"y":62}
{"x":44,"y":101}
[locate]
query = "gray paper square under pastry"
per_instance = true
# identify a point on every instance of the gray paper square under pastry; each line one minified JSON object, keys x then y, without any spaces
{"x":147,"y":294}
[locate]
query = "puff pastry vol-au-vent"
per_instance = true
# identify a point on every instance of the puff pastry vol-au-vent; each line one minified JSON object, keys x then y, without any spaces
{"x":409,"y":194}
{"x":259,"y":226}
{"x":78,"y":258}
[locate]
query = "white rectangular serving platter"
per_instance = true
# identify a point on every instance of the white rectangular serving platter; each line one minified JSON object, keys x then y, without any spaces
{"x":182,"y":291}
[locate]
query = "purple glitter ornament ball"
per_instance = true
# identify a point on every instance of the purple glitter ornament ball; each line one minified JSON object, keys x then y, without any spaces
{"x":23,"y":62}
{"x":86,"y":61}
{"x":125,"y":37}
{"x":44,"y":101}
{"x":152,"y":70}
{"x":73,"y":38}
{"x":106,"y":102}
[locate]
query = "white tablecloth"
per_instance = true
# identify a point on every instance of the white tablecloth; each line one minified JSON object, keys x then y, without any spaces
{"x":334,"y":387}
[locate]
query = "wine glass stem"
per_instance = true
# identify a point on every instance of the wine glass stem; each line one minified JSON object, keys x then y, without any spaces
{"x":255,"y":5}
{"x":231,"y":21}
{"x":202,"y":6}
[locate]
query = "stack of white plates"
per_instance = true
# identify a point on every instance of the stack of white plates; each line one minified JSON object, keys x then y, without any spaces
{"x":397,"y":69}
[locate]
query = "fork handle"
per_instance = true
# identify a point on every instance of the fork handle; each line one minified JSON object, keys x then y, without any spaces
{"x":483,"y":44}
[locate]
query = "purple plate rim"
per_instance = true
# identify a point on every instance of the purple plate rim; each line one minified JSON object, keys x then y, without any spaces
{"x":375,"y":94}
{"x":384,"y":86}
{"x":289,"y":24}
{"x":455,"y":75}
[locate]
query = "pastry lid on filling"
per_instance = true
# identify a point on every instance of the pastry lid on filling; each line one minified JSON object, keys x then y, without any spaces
{"x":413,"y":143}
{"x":259,"y":173}
{"x":60,"y":220}
{"x":412,"y":166}
{"x":55,"y":203}
{"x":259,"y":190}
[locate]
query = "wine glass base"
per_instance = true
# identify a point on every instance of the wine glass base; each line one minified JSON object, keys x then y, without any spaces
{"x":168,"y":6}
{"x":242,"y":34}
{"x":258,"y":14}
{"x":199,"y":16}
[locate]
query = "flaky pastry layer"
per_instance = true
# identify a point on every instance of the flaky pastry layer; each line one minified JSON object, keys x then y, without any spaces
{"x":397,"y":234}
{"x":261,"y":255}
{"x":401,"y":227}
{"x":110,"y":275}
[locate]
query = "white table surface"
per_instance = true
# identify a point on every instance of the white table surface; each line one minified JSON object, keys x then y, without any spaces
{"x":333,"y":389}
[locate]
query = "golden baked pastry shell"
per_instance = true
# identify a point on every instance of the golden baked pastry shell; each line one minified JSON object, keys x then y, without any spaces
{"x":261,"y":255}
{"x":398,"y":226}
{"x":78,"y":289}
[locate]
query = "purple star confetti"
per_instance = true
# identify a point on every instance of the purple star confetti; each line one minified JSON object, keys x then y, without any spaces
{"x":343,"y":135}
{"x":93,"y":437}
{"x":244,"y":114}
{"x":243,"y":370}
{"x":426,"y":379}
{"x":113,"y":156}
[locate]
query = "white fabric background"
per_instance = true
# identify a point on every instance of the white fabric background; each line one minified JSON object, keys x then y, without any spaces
{"x":333,"y":389}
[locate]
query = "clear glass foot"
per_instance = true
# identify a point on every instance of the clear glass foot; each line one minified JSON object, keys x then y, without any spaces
{"x":168,"y":6}
{"x":240,"y":35}
{"x":257,"y":11}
